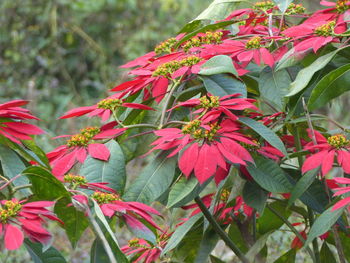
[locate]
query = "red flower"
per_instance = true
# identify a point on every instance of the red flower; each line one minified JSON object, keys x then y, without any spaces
{"x":64,"y":157}
{"x":297,"y":243}
{"x":104,"y":108}
{"x":17,"y":219}
{"x":341,"y":191}
{"x":212,"y":107}
{"x":131,"y":212}
{"x":144,"y":251}
{"x":16,"y":130}
{"x":325,"y":150}
{"x":210,"y":146}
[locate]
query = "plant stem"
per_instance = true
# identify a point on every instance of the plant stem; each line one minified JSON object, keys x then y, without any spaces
{"x":166,"y":104}
{"x":294,"y":230}
{"x":220,"y":231}
{"x":141,"y":125}
{"x":338,"y":244}
{"x":314,"y":242}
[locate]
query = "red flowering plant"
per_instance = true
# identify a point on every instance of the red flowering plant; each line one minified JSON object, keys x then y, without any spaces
{"x":222,"y":114}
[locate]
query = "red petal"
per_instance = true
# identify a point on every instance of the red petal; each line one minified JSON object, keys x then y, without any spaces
{"x":24,"y":127}
{"x":205,"y":166}
{"x":13,"y":103}
{"x":137,"y":106}
{"x":267,"y":57}
{"x":64,"y":164}
{"x":127,"y":84}
{"x":99,"y":151}
{"x":13,"y":237}
{"x":344,"y":160}
{"x":78,"y":112}
{"x":188,"y":159}
{"x":107,"y":134}
{"x":341,"y":203}
{"x":313,"y":161}
{"x":328,"y":162}
{"x":159,"y":88}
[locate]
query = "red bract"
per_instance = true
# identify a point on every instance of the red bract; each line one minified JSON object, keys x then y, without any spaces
{"x":212,"y":107}
{"x":210,"y":146}
{"x":145,"y":252}
{"x":19,"y":218}
{"x":341,"y":191}
{"x":16,"y":130}
{"x":64,"y":157}
{"x":111,"y":205}
{"x":78,"y":181}
{"x":104,"y":108}
{"x":325,"y":150}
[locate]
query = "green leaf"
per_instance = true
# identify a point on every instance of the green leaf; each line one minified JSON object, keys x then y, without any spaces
{"x":283,"y":4}
{"x":305,"y":75}
{"x":315,"y":197}
{"x":273,"y":86}
{"x":184,"y":191}
{"x":97,"y":253}
{"x":302,"y":185}
{"x":51,"y":255}
{"x":218,"y":10}
{"x":223,"y":84}
{"x":153,"y":181}
{"x":214,"y":259}
{"x":264,"y":132}
{"x":326,"y":255}
{"x":236,"y":236}
{"x":330,"y":86}
{"x":181,"y":232}
{"x":208,"y":243}
{"x":12,"y":165}
{"x":269,"y":221}
{"x":323,"y":223}
{"x":45,"y":185}
{"x":289,"y":59}
{"x":75,"y":222}
{"x":112,"y":241}
{"x":190,"y":27}
{"x":254,"y":196}
{"x":257,"y":247}
{"x":112,"y":171}
{"x":218,"y":64}
{"x":31,"y":145}
{"x":269,"y":175}
{"x":288,"y":257}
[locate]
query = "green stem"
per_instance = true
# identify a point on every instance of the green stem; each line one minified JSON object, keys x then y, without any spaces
{"x":220,"y":231}
{"x":294,"y":230}
{"x":22,"y":187}
{"x":141,"y":125}
{"x":167,"y":102}
{"x":117,"y":119}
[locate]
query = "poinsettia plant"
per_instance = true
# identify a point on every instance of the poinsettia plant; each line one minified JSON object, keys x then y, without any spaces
{"x":226,"y":116}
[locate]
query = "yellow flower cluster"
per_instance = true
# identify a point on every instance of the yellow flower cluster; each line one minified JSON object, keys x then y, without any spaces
{"x":9,"y":209}
{"x":83,"y":138}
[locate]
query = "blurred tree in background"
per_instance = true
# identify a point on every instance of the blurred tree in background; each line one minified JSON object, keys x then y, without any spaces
{"x":63,"y":53}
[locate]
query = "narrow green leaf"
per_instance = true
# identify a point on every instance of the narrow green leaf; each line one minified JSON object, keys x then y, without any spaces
{"x":45,"y":185}
{"x":323,"y":223}
{"x":326,"y":255}
{"x":223,"y":84}
{"x":257,"y":247}
{"x":113,"y":242}
{"x":269,"y":175}
{"x":218,"y":64}
{"x":264,"y":132}
{"x":330,"y":86}
{"x":218,"y":10}
{"x":236,"y":236}
{"x":214,"y":259}
{"x":191,"y":26}
{"x":288,"y":257}
{"x":208,"y":243}
{"x":181,"y":190}
{"x":273,"y":86}
{"x":51,"y":255}
{"x":269,"y":221}
{"x":12,"y":165}
{"x":305,"y":75}
{"x":302,"y":185}
{"x":112,"y":171}
{"x":75,"y":222}
{"x":97,"y":253}
{"x":31,"y":145}
{"x":181,"y":232}
{"x":153,"y":181}
{"x":255,"y":196}
{"x":289,"y":59}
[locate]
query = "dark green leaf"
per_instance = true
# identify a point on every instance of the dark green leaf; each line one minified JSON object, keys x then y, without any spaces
{"x":323,"y":223}
{"x":257,"y":247}
{"x":269,"y":175}
{"x":315,"y":197}
{"x":218,"y":9}
{"x":288,"y":257}
{"x":97,"y":253}
{"x":214,"y":259}
{"x":112,"y":171}
{"x":31,"y":145}
{"x":264,"y":132}
{"x":153,"y":181}
{"x":181,"y":191}
{"x":255,"y":196}
{"x":305,"y":75}
{"x":45,"y":186}
{"x":51,"y":255}
{"x":326,"y":255}
{"x":208,"y":243}
{"x":181,"y":232}
{"x":273,"y":86}
{"x":224,"y":84}
{"x":12,"y":165}
{"x":269,"y":221}
{"x":330,"y":86}
{"x":235,"y":235}
{"x":302,"y":185}
{"x":217,"y":65}
{"x":75,"y":222}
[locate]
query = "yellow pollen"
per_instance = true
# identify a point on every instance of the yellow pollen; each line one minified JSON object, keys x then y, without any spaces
{"x":338,"y":141}
{"x":263,"y":5}
{"x":166,"y":46}
{"x":253,"y":43}
{"x":8,"y":210}
{"x":84,"y":137}
{"x":105,"y":198}
{"x":342,"y":6}
{"x":325,"y":30}
{"x":109,"y":104}
{"x":209,"y":102}
{"x":208,"y":38}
